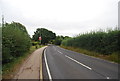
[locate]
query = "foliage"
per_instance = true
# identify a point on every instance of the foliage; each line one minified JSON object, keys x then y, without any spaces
{"x":59,"y":39}
{"x":15,"y":41}
{"x":46,"y":35}
{"x":18,"y":25}
{"x":0,"y":52}
{"x":100,"y":41}
{"x":0,"y":42}
{"x":35,"y":43}
{"x":9,"y":69}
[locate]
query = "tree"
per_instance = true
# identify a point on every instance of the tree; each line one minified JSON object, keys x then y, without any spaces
{"x":17,"y":25}
{"x":46,"y":35}
{"x":59,"y":39}
{"x":15,"y":41}
{"x":104,"y":42}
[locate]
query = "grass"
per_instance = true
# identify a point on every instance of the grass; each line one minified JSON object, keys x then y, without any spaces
{"x":10,"y":69}
{"x":112,"y":57}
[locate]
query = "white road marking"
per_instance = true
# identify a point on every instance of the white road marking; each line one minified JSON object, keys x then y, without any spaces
{"x":78,"y":62}
{"x":107,"y":77}
{"x":60,"y":52}
{"x":50,"y":78}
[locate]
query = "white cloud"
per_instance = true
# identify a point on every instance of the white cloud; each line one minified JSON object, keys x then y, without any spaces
{"x":66,"y":17}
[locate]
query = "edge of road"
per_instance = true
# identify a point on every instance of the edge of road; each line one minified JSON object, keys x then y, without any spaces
{"x":93,"y":57}
{"x":43,"y":53}
{"x":41,"y":69}
{"x":40,"y":65}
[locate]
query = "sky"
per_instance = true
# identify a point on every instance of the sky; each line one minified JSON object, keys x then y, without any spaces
{"x":64,"y":17}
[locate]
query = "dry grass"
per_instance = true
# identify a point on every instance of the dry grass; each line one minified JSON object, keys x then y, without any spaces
{"x":112,"y":57}
{"x":10,"y":69}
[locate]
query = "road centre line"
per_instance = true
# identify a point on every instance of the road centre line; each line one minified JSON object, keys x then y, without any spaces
{"x":50,"y":78}
{"x":60,"y":52}
{"x":107,"y":77}
{"x":78,"y":62}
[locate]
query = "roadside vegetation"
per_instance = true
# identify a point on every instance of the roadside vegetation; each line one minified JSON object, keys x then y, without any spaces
{"x":58,"y":40}
{"x":0,"y":52}
{"x":17,"y":46}
{"x":10,"y":69}
{"x":46,"y":35}
{"x":103,"y":44}
{"x":15,"y":41}
{"x":112,"y":57}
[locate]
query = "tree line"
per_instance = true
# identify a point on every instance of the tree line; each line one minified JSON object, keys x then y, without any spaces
{"x":16,"y":40}
{"x":47,"y":37}
{"x":105,"y":42}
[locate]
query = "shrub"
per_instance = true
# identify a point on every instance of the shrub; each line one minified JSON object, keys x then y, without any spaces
{"x":35,"y":43}
{"x":101,"y":42}
{"x":15,"y":42}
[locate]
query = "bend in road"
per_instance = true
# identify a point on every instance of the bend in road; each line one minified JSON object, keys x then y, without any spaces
{"x":66,"y":64}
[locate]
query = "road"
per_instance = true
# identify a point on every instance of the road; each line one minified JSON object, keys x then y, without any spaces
{"x":59,"y":63}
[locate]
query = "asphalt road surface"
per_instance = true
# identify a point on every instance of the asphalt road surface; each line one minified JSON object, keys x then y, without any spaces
{"x":59,"y":63}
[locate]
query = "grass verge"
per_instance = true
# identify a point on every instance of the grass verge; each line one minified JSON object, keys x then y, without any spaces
{"x":10,"y":69}
{"x":112,"y":57}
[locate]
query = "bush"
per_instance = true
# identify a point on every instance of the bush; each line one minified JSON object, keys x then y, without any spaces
{"x":35,"y":43}
{"x":15,"y":42}
{"x":101,"y":42}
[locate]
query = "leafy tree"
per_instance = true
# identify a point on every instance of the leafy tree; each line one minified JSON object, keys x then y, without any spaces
{"x":46,"y":35}
{"x":59,"y":39}
{"x":15,"y":41}
{"x":17,"y":25}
